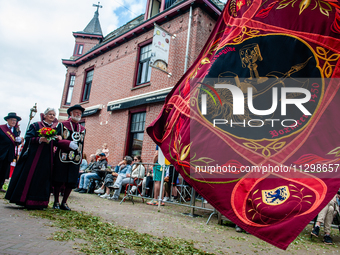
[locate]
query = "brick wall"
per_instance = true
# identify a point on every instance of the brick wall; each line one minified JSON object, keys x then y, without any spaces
{"x":114,"y":76}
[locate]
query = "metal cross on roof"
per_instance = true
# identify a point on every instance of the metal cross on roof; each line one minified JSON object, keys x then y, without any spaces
{"x":98,"y":6}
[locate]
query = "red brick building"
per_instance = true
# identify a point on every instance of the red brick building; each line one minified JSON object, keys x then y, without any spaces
{"x":111,"y":78}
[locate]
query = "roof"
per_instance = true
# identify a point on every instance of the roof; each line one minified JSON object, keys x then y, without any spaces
{"x":94,"y":26}
{"x":140,"y":19}
{"x":131,"y":26}
{"x":121,"y":30}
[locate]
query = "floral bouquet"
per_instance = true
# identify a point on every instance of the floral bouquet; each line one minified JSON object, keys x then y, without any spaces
{"x":48,"y":133}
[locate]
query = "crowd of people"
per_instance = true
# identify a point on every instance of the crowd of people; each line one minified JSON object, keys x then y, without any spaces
{"x":49,"y":160}
{"x":56,"y":163}
{"x":143,"y":180}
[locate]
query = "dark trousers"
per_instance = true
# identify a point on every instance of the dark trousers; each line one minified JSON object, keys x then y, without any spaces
{"x":149,"y":185}
{"x":4,"y":171}
{"x":173,"y":176}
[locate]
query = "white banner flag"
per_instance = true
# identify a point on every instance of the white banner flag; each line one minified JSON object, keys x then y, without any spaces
{"x":160,"y":49}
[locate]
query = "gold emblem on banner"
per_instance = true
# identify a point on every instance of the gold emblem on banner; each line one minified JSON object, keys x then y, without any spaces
{"x":275,"y":196}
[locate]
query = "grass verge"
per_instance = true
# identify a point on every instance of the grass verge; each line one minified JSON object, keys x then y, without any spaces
{"x":106,"y":238}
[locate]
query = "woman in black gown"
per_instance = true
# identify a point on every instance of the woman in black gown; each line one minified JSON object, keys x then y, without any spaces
{"x":30,"y":182}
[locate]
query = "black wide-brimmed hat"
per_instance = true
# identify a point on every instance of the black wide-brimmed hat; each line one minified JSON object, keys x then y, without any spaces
{"x":12,"y":115}
{"x":75,"y":107}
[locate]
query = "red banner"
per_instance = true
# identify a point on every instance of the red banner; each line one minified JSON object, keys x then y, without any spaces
{"x":253,"y":124}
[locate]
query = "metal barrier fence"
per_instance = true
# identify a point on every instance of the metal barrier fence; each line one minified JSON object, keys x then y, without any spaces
{"x":179,"y":192}
{"x":186,"y":195}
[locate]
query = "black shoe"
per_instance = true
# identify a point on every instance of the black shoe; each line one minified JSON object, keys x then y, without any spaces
{"x":56,"y":206}
{"x":77,"y":189}
{"x":327,"y":240}
{"x":315,"y":231}
{"x":238,"y":229}
{"x":65,"y":207}
{"x":82,"y":191}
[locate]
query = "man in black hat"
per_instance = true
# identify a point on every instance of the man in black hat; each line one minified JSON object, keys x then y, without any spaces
{"x":9,"y":139}
{"x":68,"y":156}
{"x":95,"y":174}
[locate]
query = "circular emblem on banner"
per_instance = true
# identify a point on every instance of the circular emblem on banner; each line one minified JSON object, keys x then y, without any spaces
{"x":264,"y":87}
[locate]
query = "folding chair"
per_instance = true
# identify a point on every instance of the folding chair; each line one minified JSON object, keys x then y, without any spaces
{"x":137,"y":182}
{"x":184,"y":190}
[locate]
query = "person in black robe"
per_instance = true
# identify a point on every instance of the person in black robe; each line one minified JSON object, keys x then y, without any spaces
{"x":30,"y":182}
{"x":9,"y":139}
{"x":67,"y":161}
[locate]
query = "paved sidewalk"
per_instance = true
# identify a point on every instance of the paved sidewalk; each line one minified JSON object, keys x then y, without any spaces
{"x":23,"y":234}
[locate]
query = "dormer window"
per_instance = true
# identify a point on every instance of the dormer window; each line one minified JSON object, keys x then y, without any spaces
{"x":169,"y":3}
{"x":155,"y":7}
{"x":78,"y":49}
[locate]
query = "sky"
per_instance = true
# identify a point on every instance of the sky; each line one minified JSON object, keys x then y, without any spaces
{"x":35,"y":36}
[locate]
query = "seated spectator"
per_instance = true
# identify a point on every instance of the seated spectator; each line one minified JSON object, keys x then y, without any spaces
{"x":83,"y":164}
{"x":170,"y":179}
{"x":88,"y":167}
{"x":108,"y":182}
{"x":96,"y":174}
{"x":326,"y":217}
{"x":121,"y":177}
{"x":167,"y":185}
{"x":120,"y":172}
{"x":138,"y":171}
{"x":110,"y":179}
{"x":147,"y":184}
{"x":91,"y":164}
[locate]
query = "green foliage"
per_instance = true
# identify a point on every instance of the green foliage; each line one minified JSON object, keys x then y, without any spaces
{"x":106,"y":238}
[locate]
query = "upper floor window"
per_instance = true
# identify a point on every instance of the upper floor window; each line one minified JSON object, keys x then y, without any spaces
{"x":168,"y":3}
{"x":155,"y":7}
{"x":87,"y":86}
{"x":144,"y":69}
{"x":70,"y":90}
{"x":136,"y":133}
{"x":78,"y":49}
